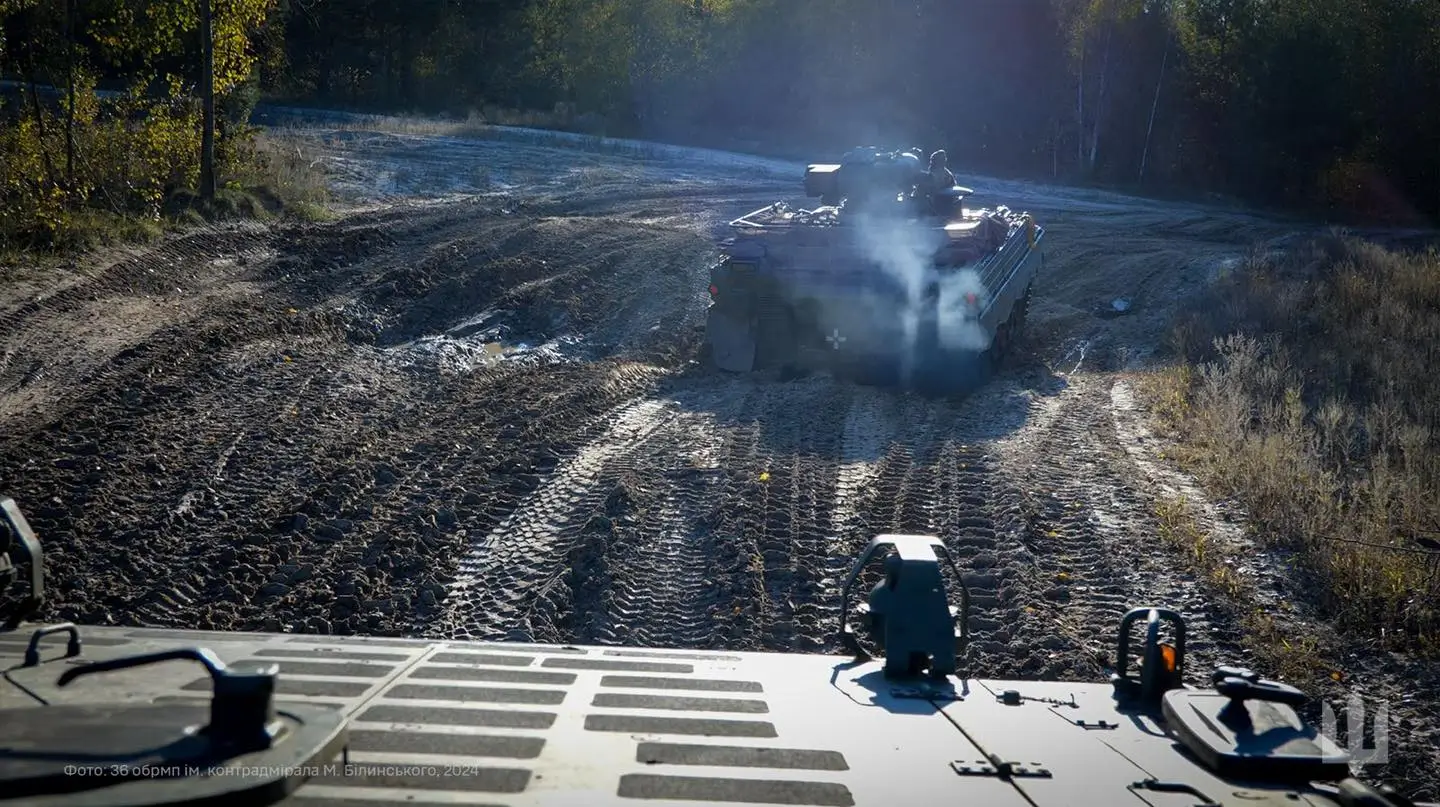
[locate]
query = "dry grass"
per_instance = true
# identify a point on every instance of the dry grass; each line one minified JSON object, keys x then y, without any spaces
{"x":1300,"y":660}
{"x":278,"y":173}
{"x":288,"y":171}
{"x":1307,"y":392}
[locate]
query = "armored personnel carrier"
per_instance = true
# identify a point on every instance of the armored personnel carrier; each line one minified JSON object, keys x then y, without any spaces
{"x":884,"y":282}
{"x":133,"y":716}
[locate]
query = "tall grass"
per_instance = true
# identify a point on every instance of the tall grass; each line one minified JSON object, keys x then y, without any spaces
{"x":1307,"y":390}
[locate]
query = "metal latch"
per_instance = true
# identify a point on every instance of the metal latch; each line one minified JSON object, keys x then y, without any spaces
{"x":999,"y":768}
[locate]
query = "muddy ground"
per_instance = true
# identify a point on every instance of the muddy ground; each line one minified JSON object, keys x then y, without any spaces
{"x":471,"y":407}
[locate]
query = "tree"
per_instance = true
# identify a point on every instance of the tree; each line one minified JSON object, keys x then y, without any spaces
{"x":207,"y":99}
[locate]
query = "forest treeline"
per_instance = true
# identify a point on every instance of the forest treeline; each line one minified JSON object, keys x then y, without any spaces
{"x":1333,"y":103}
{"x":1329,"y":104}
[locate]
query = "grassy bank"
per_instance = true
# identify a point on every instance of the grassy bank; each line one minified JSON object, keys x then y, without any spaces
{"x":129,"y":182}
{"x":1305,"y":392}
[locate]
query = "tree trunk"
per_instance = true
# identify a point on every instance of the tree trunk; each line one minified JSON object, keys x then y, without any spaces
{"x":1055,"y":149}
{"x":1154,"y":105}
{"x":1100,"y":100}
{"x":69,"y":95}
{"x":207,"y":103}
{"x":39,"y":123}
{"x":1080,"y":110}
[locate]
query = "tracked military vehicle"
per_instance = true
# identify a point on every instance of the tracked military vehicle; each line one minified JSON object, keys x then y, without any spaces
{"x":884,"y":282}
{"x":131,"y":716}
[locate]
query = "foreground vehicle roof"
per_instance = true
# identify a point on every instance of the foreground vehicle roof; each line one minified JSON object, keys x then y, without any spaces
{"x":480,"y":723}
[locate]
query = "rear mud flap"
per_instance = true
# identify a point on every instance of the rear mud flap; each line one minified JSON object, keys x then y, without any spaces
{"x":945,"y":371}
{"x":732,"y":343}
{"x":948,"y":373}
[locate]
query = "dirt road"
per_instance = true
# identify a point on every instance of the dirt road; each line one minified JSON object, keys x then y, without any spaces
{"x":469,"y":407}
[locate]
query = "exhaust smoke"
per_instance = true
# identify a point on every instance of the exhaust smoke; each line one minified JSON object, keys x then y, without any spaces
{"x":956,"y":314}
{"x":905,"y":250}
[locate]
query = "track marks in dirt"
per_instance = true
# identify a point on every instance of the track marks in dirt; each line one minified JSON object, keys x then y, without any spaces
{"x":497,"y":577}
{"x":707,"y":518}
{"x":255,"y":435}
{"x":55,"y":338}
{"x":648,"y":573}
{"x":604,"y":287}
{"x":935,"y":476}
{"x":1093,"y":535}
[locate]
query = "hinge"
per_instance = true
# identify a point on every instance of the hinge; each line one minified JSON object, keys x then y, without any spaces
{"x":1085,"y":723}
{"x":1158,"y":786}
{"x":928,"y":692}
{"x":1097,"y":724}
{"x":1002,"y":770}
{"x":1012,"y":697}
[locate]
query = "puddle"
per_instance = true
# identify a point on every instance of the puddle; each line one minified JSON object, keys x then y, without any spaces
{"x":188,"y":503}
{"x":485,"y":340}
{"x":1075,"y":350}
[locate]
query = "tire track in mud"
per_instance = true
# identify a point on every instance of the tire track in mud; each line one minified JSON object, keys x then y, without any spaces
{"x":148,"y":271}
{"x":217,"y":479}
{"x":937,"y":477}
{"x":772,"y":493}
{"x":869,"y":428}
{"x":711,"y":528}
{"x":497,"y":578}
{"x":155,"y":477}
{"x":285,"y":428}
{"x":646,"y":576}
{"x":429,"y":492}
{"x":44,"y":337}
{"x":1094,"y":539}
{"x":661,"y":585}
{"x":794,"y":545}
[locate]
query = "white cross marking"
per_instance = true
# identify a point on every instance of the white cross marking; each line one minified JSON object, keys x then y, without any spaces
{"x":835,"y":339}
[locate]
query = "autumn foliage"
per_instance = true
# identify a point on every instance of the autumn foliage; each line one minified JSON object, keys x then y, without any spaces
{"x":77,"y":153}
{"x":1322,"y":105}
{"x":1306,"y":393}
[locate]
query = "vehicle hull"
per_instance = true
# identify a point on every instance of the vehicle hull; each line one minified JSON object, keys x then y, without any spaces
{"x":870,"y":329}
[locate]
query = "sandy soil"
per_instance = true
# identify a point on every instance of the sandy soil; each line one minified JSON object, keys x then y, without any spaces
{"x":470,"y":407}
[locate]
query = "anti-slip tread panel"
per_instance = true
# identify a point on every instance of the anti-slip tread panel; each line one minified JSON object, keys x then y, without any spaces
{"x":500,"y":724}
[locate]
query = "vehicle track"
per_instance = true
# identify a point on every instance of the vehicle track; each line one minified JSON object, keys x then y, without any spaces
{"x":500,"y":575}
{"x":46,"y":334}
{"x":1094,"y":535}
{"x":646,"y":574}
